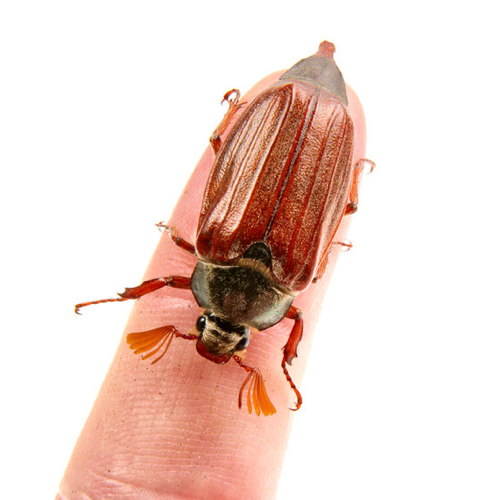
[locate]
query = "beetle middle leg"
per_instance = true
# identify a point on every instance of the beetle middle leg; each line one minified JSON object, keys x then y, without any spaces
{"x":232,"y":98}
{"x":144,"y":288}
{"x":180,"y":242}
{"x":346,"y":245}
{"x":290,"y":349}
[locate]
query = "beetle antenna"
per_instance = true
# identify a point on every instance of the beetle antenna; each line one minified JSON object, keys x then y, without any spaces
{"x":256,"y":394}
{"x":154,"y":341}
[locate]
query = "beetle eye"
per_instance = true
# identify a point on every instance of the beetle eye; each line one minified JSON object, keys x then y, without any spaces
{"x":242,"y":344}
{"x":200,"y":323}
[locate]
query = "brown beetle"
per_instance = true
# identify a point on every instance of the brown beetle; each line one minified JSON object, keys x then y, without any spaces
{"x":281,"y":183}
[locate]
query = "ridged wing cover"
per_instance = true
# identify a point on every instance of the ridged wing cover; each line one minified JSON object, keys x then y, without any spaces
{"x":282,"y":176}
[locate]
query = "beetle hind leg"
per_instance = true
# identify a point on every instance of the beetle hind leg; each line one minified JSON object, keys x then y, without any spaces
{"x":352,"y":206}
{"x":232,"y":98}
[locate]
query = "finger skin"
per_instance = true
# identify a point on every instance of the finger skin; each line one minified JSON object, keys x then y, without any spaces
{"x":173,"y":429}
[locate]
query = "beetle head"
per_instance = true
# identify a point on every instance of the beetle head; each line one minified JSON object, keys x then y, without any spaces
{"x":220,"y":339}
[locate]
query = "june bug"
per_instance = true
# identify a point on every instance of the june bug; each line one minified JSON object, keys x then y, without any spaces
{"x":281,"y":182}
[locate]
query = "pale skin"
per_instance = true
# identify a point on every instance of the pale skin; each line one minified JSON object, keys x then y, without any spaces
{"x":173,"y":429}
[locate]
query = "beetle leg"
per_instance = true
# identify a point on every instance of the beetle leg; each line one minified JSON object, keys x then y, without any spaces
{"x":352,"y":206}
{"x":154,"y":340}
{"x":232,"y":98}
{"x":347,"y":245}
{"x":143,"y":289}
{"x":180,"y":242}
{"x":256,"y":395}
{"x":290,"y":349}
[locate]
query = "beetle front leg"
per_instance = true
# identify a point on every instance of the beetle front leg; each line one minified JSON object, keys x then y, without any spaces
{"x":232,"y":98}
{"x":290,"y":349}
{"x":144,"y":288}
{"x":352,"y":206}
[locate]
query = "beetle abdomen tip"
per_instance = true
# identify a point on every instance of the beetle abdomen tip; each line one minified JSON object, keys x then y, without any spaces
{"x":320,"y":70}
{"x":326,"y":48}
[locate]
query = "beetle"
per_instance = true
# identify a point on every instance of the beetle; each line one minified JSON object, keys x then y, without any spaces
{"x":281,"y":183}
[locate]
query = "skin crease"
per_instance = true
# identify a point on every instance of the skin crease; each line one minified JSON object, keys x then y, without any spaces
{"x":173,"y":429}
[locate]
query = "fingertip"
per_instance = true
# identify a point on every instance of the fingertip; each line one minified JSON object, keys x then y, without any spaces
{"x":358,"y":117}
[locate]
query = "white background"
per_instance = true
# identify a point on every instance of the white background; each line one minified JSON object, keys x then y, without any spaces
{"x":105,"y":108}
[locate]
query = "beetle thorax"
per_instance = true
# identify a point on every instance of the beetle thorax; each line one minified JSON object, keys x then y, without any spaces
{"x":242,"y":294}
